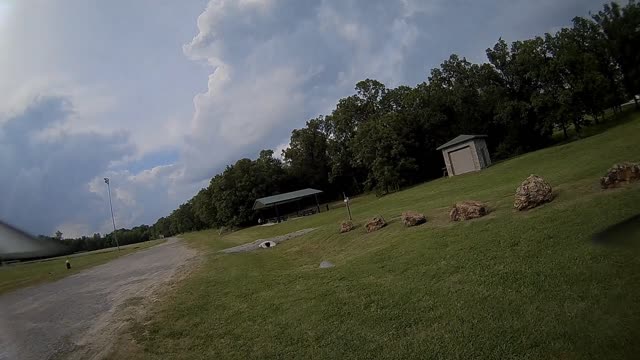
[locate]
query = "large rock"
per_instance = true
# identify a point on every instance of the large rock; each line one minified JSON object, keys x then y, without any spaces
{"x":346,"y":226}
{"x":376,"y":223}
{"x":469,"y":209}
{"x":620,"y":173}
{"x":412,"y":218}
{"x":533,"y":191}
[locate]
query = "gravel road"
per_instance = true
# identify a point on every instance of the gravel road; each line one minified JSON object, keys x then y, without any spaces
{"x":80,"y":316}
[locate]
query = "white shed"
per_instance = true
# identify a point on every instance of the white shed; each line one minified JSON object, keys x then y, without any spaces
{"x":465,"y":153}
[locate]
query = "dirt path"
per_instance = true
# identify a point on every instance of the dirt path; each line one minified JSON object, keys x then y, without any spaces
{"x":81,"y":315}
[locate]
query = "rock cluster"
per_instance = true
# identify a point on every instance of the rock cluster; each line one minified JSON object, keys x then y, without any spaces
{"x":469,"y":209}
{"x":412,"y":218}
{"x":620,"y":173}
{"x":533,"y":192}
{"x":376,"y":223}
{"x":346,"y":226}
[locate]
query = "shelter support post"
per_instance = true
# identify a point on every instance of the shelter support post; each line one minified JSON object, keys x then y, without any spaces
{"x":317,"y":203}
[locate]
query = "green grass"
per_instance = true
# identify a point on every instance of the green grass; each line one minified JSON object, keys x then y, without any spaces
{"x":525,"y":285}
{"x":27,"y":274}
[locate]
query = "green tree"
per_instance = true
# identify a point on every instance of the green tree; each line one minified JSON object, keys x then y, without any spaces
{"x":620,"y":26}
{"x":204,"y":207}
{"x":381,"y":147}
{"x":520,"y":70}
{"x":341,"y":127}
{"x":307,"y":155}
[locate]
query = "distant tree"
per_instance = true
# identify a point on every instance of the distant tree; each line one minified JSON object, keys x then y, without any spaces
{"x":381,"y":146}
{"x":620,"y":26}
{"x":307,"y":156}
{"x":58,"y":235}
{"x":520,"y":69}
{"x":204,"y":207}
{"x":162,"y":227}
{"x":229,"y":198}
{"x":341,"y":127}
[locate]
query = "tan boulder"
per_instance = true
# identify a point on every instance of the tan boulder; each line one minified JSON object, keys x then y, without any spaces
{"x":376,"y":223}
{"x":533,"y":192}
{"x":469,"y":209}
{"x":620,"y":173}
{"x":412,"y":218}
{"x":346,"y":226}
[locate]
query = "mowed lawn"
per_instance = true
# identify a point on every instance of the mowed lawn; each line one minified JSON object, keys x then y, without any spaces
{"x":525,"y":285}
{"x":20,"y":275}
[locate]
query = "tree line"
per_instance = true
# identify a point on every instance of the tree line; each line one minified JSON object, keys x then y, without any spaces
{"x":97,"y":241}
{"x":382,"y":139}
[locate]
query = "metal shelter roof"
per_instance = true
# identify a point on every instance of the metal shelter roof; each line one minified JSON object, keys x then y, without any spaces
{"x":458,"y":139}
{"x":283,"y":198}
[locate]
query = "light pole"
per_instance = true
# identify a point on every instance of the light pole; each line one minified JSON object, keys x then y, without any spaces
{"x":346,"y":201}
{"x":106,"y":181}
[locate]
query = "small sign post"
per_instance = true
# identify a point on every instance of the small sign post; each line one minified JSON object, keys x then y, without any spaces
{"x":346,"y":201}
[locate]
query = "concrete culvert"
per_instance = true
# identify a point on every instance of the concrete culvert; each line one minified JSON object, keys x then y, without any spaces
{"x":260,"y":243}
{"x":326,"y":264}
{"x":267,"y":244}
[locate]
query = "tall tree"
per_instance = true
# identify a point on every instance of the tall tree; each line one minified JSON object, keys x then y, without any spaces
{"x":341,"y":128}
{"x":307,"y":155}
{"x":204,"y":207}
{"x":621,"y":26}
{"x":520,"y":71}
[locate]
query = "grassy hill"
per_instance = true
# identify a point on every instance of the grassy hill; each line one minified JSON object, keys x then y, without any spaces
{"x":529,"y":285}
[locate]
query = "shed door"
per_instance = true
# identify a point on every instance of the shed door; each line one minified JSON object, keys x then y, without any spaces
{"x":462,"y":161}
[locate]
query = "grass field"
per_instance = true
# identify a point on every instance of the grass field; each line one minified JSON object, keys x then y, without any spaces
{"x":21,"y":275}
{"x":526,"y":285}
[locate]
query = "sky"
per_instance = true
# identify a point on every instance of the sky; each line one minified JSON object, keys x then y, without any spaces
{"x":161,"y":95}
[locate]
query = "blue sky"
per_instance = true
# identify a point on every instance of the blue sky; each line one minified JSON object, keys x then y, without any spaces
{"x":161,"y":95}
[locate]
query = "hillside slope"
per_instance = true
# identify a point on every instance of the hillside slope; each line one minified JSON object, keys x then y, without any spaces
{"x":510,"y":285}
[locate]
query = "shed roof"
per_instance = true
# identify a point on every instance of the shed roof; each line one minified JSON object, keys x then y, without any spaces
{"x":459,"y":139}
{"x":284,"y":198}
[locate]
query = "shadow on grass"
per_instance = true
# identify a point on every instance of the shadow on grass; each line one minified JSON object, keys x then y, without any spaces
{"x":624,"y":233}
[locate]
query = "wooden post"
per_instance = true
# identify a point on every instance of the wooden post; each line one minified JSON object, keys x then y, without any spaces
{"x":346,"y":201}
{"x":317,"y":203}
{"x":277,"y":215}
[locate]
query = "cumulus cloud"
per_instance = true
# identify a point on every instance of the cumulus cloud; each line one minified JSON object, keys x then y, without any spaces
{"x":137,"y":197}
{"x":44,"y":179}
{"x":277,"y":63}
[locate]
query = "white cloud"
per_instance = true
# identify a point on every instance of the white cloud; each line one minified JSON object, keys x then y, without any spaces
{"x":44,"y":182}
{"x":70,"y":230}
{"x":269,"y":76}
{"x":413,"y":7}
{"x":277,"y":152}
